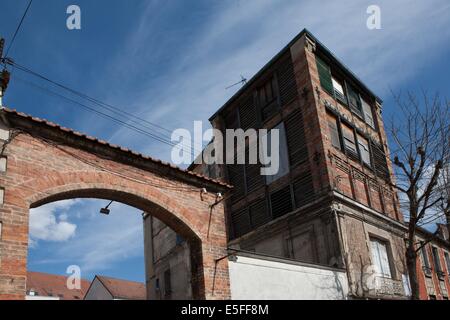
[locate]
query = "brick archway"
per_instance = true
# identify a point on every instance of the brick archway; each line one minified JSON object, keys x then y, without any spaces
{"x":46,"y":163}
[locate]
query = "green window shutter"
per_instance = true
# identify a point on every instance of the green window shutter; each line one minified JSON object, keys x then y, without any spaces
{"x":324,"y":75}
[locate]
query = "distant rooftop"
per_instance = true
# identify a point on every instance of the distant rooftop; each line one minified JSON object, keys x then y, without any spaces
{"x":52,"y":285}
{"x":123,"y":289}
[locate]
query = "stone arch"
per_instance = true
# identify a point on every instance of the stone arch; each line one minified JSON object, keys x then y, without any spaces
{"x":46,"y":163}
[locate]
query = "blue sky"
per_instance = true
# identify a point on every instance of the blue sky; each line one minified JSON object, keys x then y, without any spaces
{"x":169,"y":62}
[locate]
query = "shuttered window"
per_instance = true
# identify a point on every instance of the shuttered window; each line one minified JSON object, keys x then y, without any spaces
{"x":247,"y":114}
{"x":303,"y":189}
{"x":241,"y":222}
{"x":267,"y":99}
{"x":364,"y":149}
{"x":295,"y":136}
{"x":447,"y":260}
{"x":281,"y":202}
{"x":333,"y":131}
{"x":354,"y":100}
{"x":423,"y":252}
{"x":349,"y":141}
{"x":380,"y":258}
{"x":253,"y":175}
{"x":286,"y":82}
{"x":379,"y":161}
{"x":283,"y":161}
{"x":436,"y":260}
{"x":324,"y":75}
{"x":231,"y":120}
{"x":236,"y":176}
{"x":368,"y":115}
{"x":259,"y":215}
{"x":338,"y":90}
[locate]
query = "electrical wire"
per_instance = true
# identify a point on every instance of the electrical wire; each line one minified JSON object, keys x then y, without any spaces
{"x":18,"y":27}
{"x":104,"y":115}
{"x":113,"y":109}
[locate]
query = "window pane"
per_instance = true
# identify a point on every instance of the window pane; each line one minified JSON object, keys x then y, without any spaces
{"x":381,"y":258}
{"x":354,"y":100}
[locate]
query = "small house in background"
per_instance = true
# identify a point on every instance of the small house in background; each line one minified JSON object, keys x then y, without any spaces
{"x":106,"y":288}
{"x":45,"y":286}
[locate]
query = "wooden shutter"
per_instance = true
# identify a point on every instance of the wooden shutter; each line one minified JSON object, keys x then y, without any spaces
{"x":379,"y":160}
{"x":253,"y":175}
{"x":447,"y":260}
{"x":436,"y":259}
{"x":333,"y":131}
{"x":324,"y":75}
{"x":423,"y":251}
{"x":295,"y":136}
{"x":286,"y":82}
{"x":354,"y":100}
{"x":241,"y":222}
{"x":349,"y":142}
{"x":259,"y":215}
{"x":281,"y":202}
{"x":303,"y":189}
{"x":368,"y":115}
{"x":247,"y":114}
{"x":231,"y":120}
{"x":236,"y":178}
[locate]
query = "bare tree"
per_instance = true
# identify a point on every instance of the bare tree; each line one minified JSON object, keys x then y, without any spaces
{"x":420,"y":142}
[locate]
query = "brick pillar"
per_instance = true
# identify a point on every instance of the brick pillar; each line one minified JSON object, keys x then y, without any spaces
{"x":13,"y":251}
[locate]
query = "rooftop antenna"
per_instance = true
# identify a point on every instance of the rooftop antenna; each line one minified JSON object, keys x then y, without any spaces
{"x":243,"y":81}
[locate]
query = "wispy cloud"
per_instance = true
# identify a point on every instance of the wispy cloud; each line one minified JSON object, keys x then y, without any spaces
{"x":49,"y":223}
{"x":240,"y":37}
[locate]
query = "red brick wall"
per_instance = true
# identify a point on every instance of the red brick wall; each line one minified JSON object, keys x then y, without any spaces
{"x":38,"y":172}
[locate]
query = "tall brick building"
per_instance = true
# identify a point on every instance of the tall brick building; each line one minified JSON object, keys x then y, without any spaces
{"x":331,"y":203}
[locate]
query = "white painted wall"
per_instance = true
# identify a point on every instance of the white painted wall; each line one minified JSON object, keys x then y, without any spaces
{"x":256,"y":278}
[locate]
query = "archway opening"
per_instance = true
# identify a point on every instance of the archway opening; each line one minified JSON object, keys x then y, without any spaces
{"x":68,"y":232}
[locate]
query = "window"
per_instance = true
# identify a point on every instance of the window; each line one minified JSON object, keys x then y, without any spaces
{"x":283,"y":168}
{"x":354,"y":100}
{"x":324,"y":75}
{"x":338,"y":90}
{"x":380,"y":258}
{"x":364,"y":149}
{"x":447,"y":260}
{"x":425,"y":262}
{"x":368,"y":115}
{"x":333,"y":131}
{"x":436,"y":260}
{"x":267,"y":97}
{"x":281,"y":202}
{"x":167,"y":283}
{"x":349,"y":140}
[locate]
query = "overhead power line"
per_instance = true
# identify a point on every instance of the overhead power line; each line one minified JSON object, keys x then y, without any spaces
{"x":138,"y":121}
{"x":104,"y":115}
{"x":18,"y":27}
